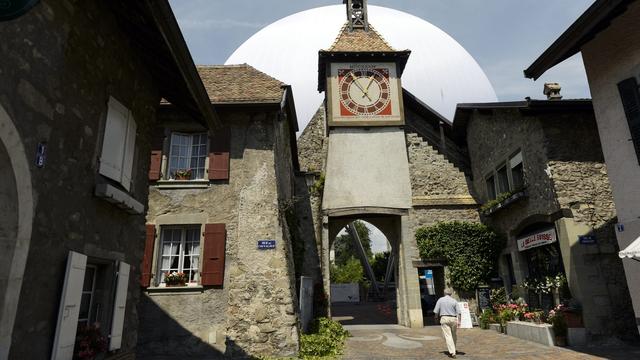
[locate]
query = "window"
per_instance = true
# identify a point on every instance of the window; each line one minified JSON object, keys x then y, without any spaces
{"x":180,"y":252}
{"x":491,"y":187}
{"x":517,"y":171}
{"x":188,"y":152}
{"x":118,"y":145}
{"x":503,"y":180}
{"x":87,"y":315}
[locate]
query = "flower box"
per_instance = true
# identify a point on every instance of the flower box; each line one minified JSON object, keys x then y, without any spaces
{"x":539,"y":333}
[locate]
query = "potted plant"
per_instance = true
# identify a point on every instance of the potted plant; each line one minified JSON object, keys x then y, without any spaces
{"x":183,"y":174}
{"x":556,"y":318}
{"x":90,"y":342}
{"x":175,"y":279}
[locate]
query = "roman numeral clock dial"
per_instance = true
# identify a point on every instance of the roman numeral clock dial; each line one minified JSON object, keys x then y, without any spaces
{"x":364,"y":92}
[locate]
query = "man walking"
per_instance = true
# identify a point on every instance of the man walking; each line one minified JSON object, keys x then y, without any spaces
{"x":448,"y":310}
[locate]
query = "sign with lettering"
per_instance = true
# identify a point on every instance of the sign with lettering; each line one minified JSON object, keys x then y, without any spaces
{"x":266,"y":244}
{"x":541,"y":238}
{"x":465,"y":316}
{"x":587,"y":239}
{"x":484,"y":298}
{"x":41,"y":155}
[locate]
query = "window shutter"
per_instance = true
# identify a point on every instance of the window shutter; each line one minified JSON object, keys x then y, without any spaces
{"x":219,"y":155}
{"x":69,"y":311}
{"x":157,"y":143}
{"x":630,"y":95}
{"x":119,"y":307}
{"x":214,"y":247}
{"x":130,"y":148}
{"x":113,"y":143}
{"x":149,"y":245}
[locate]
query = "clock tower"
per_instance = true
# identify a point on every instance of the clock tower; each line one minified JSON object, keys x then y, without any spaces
{"x":361,"y":74}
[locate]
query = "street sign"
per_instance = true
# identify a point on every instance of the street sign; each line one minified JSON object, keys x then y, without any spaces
{"x":41,"y":155}
{"x":587,"y":239}
{"x":266,"y":244}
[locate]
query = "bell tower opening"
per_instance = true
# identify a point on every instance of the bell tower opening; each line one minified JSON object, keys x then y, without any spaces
{"x":357,"y":14}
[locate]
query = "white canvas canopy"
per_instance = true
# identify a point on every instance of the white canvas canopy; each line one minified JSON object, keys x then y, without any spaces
{"x":632,"y":251}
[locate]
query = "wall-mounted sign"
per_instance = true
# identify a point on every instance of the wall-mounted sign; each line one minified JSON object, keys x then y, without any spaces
{"x":41,"y":152}
{"x":266,"y":244}
{"x":620,"y":227}
{"x":587,"y":239}
{"x":541,"y":238}
{"x":11,"y":9}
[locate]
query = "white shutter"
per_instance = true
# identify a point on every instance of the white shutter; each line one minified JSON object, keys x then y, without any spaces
{"x":119,"y":306}
{"x":67,"y":325}
{"x":113,"y":144}
{"x":130,"y":148}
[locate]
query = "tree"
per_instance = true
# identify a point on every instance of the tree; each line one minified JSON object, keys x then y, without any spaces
{"x":343,"y":245}
{"x":379,"y":265}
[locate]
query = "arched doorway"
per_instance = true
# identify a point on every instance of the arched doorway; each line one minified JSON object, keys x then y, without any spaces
{"x":16,"y":218}
{"x":362,"y":274}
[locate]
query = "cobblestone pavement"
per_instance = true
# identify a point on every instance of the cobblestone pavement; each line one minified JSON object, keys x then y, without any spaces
{"x":395,"y":342}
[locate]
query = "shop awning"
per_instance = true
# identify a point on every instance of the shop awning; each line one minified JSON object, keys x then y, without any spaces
{"x":632,"y":251}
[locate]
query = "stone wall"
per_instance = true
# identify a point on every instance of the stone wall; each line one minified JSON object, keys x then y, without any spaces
{"x":61,"y":62}
{"x":313,"y":142}
{"x":255,"y":310}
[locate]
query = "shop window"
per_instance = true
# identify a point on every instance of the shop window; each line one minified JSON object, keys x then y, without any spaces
{"x":491,"y":187}
{"x":187,"y":156}
{"x":517,"y":171}
{"x":180,"y":252}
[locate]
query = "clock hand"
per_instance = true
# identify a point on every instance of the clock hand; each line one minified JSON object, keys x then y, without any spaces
{"x":369,"y":85}
{"x":364,"y":92}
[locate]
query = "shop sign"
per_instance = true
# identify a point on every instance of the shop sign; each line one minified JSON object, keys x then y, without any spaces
{"x":465,"y":316}
{"x":484,"y":297}
{"x":538,"y":239}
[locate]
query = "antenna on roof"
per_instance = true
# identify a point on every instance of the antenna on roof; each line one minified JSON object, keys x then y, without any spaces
{"x":357,"y":14}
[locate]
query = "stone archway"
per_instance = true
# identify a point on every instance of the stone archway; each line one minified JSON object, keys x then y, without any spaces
{"x":16,"y":221}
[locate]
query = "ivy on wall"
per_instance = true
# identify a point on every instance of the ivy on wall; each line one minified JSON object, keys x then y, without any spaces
{"x":471,"y":251}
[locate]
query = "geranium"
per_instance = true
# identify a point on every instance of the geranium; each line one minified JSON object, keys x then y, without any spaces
{"x":89,"y":342}
{"x":175,"y":278}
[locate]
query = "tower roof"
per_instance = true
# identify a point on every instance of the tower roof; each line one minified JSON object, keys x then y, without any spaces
{"x":360,"y":40}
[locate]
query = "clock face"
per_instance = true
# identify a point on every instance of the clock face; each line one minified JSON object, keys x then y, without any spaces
{"x":364,"y":92}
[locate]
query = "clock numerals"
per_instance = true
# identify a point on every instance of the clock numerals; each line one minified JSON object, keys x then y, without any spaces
{"x":364,"y":92}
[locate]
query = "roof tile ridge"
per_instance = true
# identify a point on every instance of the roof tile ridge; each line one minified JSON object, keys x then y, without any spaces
{"x":221,"y":66}
{"x":340,"y":33}
{"x":372,"y":28}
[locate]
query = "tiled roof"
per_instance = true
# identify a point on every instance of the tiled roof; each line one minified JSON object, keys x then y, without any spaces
{"x":359,"y":40}
{"x":228,"y":84}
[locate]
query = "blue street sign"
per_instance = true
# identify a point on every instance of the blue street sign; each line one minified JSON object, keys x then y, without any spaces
{"x":41,"y":154}
{"x":620,"y":227}
{"x":266,"y":244}
{"x":587,"y":239}
{"x":428,"y":274}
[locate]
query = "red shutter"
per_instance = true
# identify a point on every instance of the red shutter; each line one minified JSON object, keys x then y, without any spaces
{"x":156,"y":164}
{"x":157,"y":142}
{"x":215,"y":236}
{"x":145,"y":279}
{"x":219,"y":155}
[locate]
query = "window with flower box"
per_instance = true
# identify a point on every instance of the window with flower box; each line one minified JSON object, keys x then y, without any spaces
{"x":187,"y":156}
{"x":508,"y":176}
{"x":179,"y":253}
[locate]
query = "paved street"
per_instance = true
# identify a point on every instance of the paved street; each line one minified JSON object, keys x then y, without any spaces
{"x":396,"y":342}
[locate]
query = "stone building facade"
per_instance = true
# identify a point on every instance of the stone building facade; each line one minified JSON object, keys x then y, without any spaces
{"x":242,"y":184}
{"x":550,"y":184}
{"x":609,"y":41}
{"x":78,"y":99}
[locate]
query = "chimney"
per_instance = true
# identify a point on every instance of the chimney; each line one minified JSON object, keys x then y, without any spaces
{"x":552,"y":90}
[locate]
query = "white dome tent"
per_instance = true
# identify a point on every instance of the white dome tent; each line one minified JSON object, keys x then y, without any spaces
{"x":440,"y":72}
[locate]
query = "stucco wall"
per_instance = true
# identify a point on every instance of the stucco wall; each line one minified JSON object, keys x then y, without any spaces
{"x":61,"y":62}
{"x":255,"y":308}
{"x":612,"y":56}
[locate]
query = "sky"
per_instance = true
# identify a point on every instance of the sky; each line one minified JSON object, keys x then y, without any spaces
{"x":504,"y":37}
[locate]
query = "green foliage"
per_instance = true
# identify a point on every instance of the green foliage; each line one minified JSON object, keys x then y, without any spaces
{"x":486,"y":318}
{"x":318,"y":186}
{"x":344,"y":248}
{"x":350,"y":272}
{"x":498,"y":297}
{"x":500,"y":198}
{"x":325,"y":341}
{"x":379,"y":265}
{"x":471,"y":251}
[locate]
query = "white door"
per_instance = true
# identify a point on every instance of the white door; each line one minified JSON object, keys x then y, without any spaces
{"x":119,"y":307}
{"x":67,"y":325}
